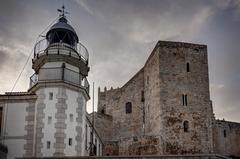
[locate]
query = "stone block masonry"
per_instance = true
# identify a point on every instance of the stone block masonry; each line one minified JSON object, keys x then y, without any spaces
{"x":171,"y":111}
{"x":60,"y":124}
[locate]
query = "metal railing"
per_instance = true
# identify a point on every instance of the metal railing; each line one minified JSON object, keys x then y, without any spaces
{"x":59,"y":74}
{"x":79,"y":51}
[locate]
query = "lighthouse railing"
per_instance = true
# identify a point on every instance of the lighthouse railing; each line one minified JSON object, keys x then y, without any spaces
{"x":79,"y":51}
{"x":59,"y":74}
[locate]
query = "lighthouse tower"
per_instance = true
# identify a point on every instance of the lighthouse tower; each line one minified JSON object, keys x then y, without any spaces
{"x":61,"y":66}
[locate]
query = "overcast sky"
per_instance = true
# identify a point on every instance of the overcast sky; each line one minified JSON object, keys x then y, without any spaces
{"x":120,"y":34}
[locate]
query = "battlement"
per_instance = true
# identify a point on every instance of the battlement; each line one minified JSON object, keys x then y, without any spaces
{"x":180,"y":44}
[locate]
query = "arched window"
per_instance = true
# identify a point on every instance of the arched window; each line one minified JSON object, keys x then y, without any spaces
{"x":128,"y":107}
{"x":185,"y":126}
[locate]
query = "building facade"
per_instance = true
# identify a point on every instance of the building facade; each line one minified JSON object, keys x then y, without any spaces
{"x":166,"y":108}
{"x":50,"y":119}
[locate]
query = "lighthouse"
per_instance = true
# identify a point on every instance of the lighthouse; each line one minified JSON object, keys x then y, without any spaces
{"x":50,"y":118}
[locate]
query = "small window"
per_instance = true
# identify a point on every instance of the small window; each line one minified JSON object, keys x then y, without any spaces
{"x":224,"y":133}
{"x":49,"y":120}
{"x":51,"y":96}
{"x":184,"y":100}
{"x":1,"y":118}
{"x":188,"y":67}
{"x":48,"y":144}
{"x":142,"y":99}
{"x":96,"y":145}
{"x":86,"y":136}
{"x":103,"y":111}
{"x":185,"y":126}
{"x":147,"y":79}
{"x":99,"y":148}
{"x":70,"y":141}
{"x":128,"y":107}
{"x":71,"y":117}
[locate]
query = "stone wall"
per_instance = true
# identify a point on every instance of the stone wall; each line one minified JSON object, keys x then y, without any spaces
{"x":140,"y":145}
{"x":103,"y":124}
{"x":157,"y":105}
{"x":227,"y":138}
{"x":114,"y":101}
{"x":176,"y":81}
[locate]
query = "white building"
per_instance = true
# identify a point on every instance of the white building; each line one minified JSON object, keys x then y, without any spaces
{"x":50,"y":119}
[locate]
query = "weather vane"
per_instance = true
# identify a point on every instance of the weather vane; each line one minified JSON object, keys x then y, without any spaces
{"x":62,"y":11}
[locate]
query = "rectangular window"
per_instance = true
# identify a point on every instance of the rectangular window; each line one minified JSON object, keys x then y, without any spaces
{"x":96,"y":145}
{"x":86,"y":137}
{"x":188,"y":67}
{"x":143,"y":99}
{"x":71,"y":117}
{"x":51,"y":96}
{"x":224,"y":133}
{"x":99,"y":149}
{"x":48,"y":144}
{"x":1,"y":115}
{"x":70,"y":141}
{"x":49,"y":120}
{"x":128,"y":107}
{"x":184,"y":100}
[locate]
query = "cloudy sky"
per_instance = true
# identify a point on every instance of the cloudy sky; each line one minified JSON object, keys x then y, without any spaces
{"x":120,"y":35}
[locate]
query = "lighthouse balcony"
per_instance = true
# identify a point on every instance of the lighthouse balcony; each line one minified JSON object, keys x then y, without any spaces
{"x":77,"y":50}
{"x":59,"y":74}
{"x":75,"y":54}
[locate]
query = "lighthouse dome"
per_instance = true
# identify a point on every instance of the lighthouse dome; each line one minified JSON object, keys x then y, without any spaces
{"x":62,"y":32}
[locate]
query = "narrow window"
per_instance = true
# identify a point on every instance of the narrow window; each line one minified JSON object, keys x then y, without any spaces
{"x":143,"y":99}
{"x":186,"y":101}
{"x":86,"y":136}
{"x":128,"y":107}
{"x":49,"y":120}
{"x":1,"y":115}
{"x":70,"y":141}
{"x":224,"y":133}
{"x":147,"y":79}
{"x":99,"y":149}
{"x":48,"y":144}
{"x":95,"y":147}
{"x":185,"y":126}
{"x":51,"y":96}
{"x":183,"y":99}
{"x":71,"y":117}
{"x":188,"y":67}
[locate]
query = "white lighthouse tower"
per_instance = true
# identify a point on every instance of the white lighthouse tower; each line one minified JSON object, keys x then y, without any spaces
{"x":50,"y":119}
{"x":62,"y":89}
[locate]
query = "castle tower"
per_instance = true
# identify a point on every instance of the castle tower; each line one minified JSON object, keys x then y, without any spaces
{"x":178,"y":99}
{"x":61,"y":66}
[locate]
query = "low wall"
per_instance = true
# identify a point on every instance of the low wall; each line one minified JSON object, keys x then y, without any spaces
{"x":207,"y":156}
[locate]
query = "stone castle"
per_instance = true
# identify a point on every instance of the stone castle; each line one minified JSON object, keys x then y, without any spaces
{"x":165,"y":108}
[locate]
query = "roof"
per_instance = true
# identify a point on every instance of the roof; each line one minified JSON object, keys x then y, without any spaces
{"x":62,"y":25}
{"x":17,"y":93}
